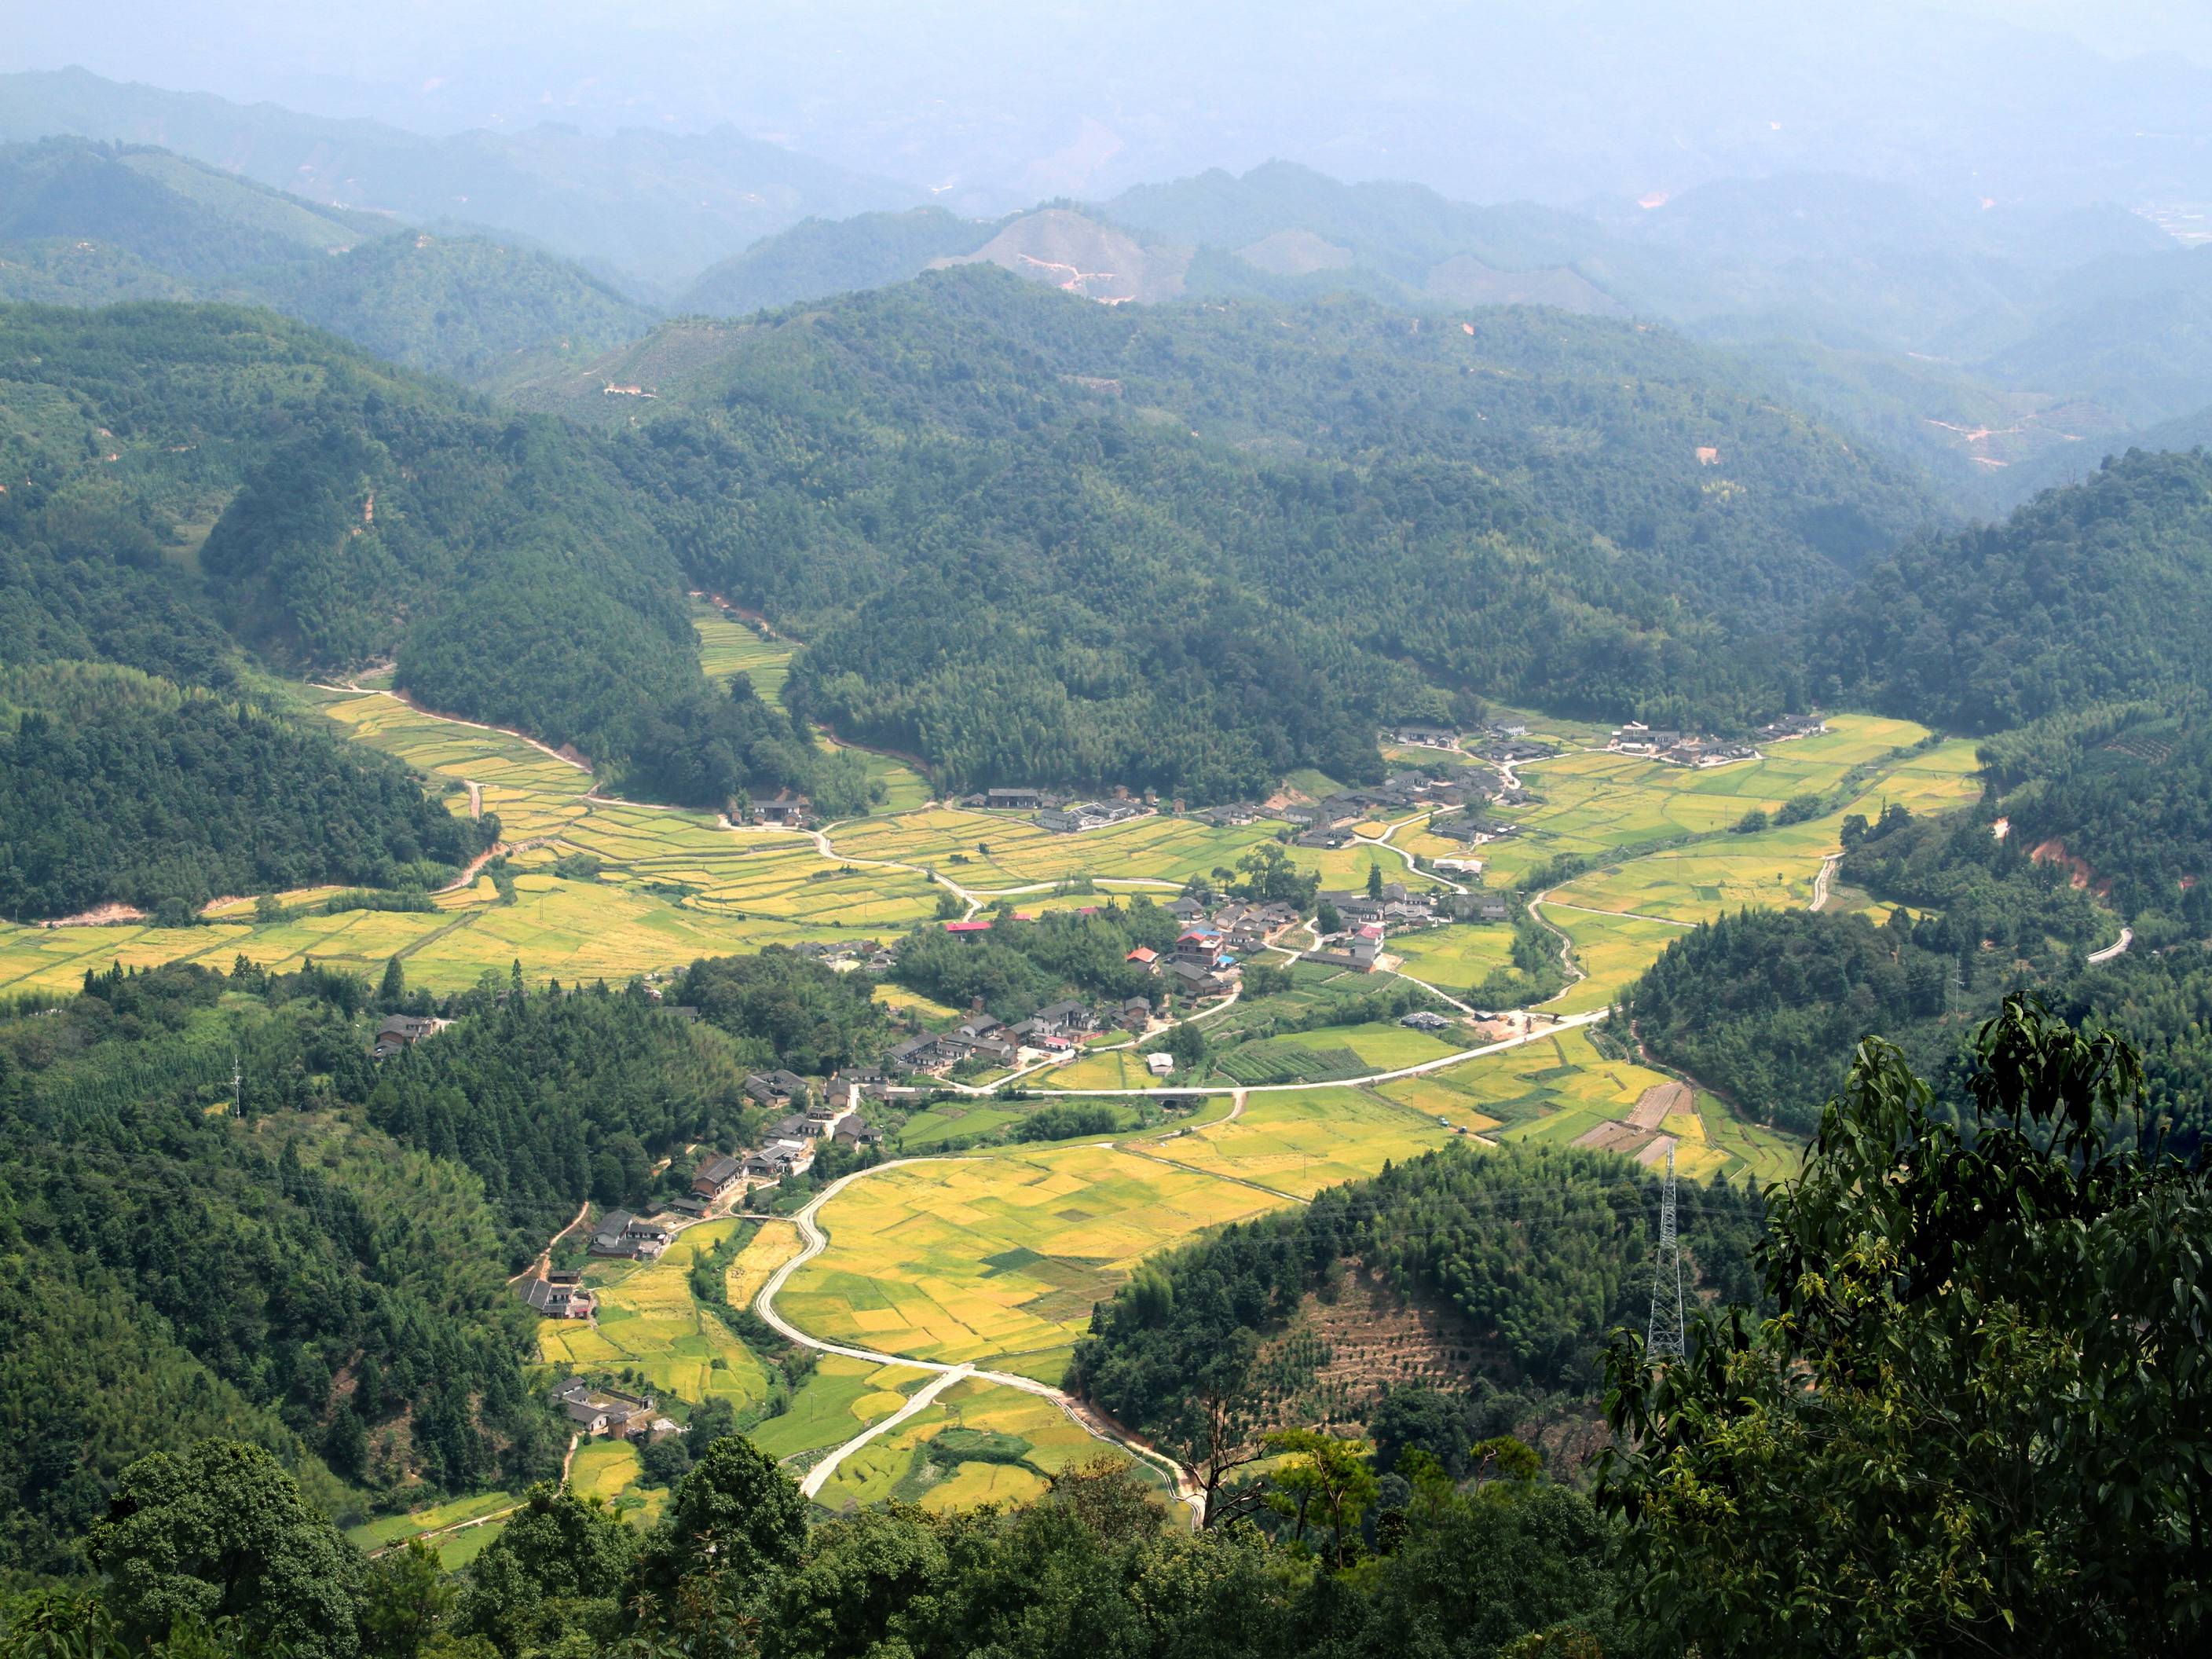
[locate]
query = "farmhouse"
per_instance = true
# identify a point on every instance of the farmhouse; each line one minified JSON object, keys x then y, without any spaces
{"x":783,"y":807}
{"x":1014,"y":801}
{"x":1146,"y":957}
{"x":969,"y":932}
{"x":779,"y":1158}
{"x":402,"y":1031}
{"x":777,"y":1090}
{"x":1422,"y":734}
{"x":1159,"y":1065}
{"x":1422,"y":1019}
{"x":921,"y":1054}
{"x":1082,"y":815}
{"x":604,"y":1411}
{"x":715,"y":1175}
{"x":622,"y":1234}
{"x":857,"y":1131}
{"x":559,"y":1296}
{"x":1136,"y":1013}
{"x":1791,"y":725}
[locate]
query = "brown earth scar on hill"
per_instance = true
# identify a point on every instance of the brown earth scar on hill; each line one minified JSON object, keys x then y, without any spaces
{"x":2054,"y":851}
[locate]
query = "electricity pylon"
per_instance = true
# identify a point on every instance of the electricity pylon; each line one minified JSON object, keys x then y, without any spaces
{"x":1662,"y":1339}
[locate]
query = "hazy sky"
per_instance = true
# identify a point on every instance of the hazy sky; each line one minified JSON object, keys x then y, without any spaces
{"x":1002,"y":101}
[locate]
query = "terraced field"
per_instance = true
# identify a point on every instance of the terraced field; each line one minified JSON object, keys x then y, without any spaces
{"x":997,"y":1257}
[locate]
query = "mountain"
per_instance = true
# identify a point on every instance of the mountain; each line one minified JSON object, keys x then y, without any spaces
{"x":663,"y":205}
{"x":2089,"y":594}
{"x":818,"y":257}
{"x":197,"y":478}
{"x":83,"y":223}
{"x":1195,"y":546}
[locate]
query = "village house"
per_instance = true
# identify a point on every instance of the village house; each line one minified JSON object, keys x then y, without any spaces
{"x":609,"y":1411}
{"x":1790,"y":726}
{"x":779,"y":1158}
{"x":969,"y":932}
{"x":782,"y":807}
{"x":1422,"y":1019}
{"x":715,"y":1176}
{"x":1144,"y":958}
{"x":1078,"y":816}
{"x":559,"y":1296}
{"x":1159,"y":1065}
{"x":921,"y":1053}
{"x":622,"y":1234}
{"x":1136,"y":1013}
{"x":855,"y":1131}
{"x":400,"y":1032}
{"x":1014,"y":801}
{"x":1421,"y":734}
{"x":777,"y":1090}
{"x":1357,"y":954}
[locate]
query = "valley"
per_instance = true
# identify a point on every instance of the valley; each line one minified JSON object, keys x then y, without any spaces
{"x":992,"y":1258}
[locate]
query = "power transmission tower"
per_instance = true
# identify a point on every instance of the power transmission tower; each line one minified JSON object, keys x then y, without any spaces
{"x":1662,"y":1339}
{"x":237,"y":1087}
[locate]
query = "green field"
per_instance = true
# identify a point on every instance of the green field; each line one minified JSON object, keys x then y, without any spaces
{"x":392,"y":1528}
{"x":898,"y":1464}
{"x":1299,"y":1142}
{"x":649,"y":1321}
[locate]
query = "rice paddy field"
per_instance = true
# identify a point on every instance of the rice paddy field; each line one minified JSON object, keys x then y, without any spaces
{"x":1028,"y":1440}
{"x":649,"y":1321}
{"x":840,"y":1399}
{"x":727,"y":646}
{"x":998,"y":1258}
{"x":1298,"y":1142}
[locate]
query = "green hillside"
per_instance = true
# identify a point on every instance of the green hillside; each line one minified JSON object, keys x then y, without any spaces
{"x":2085,"y":595}
{"x":83,"y":223}
{"x":663,"y":205}
{"x":820,"y":257}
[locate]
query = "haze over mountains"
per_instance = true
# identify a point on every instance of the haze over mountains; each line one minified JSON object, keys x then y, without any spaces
{"x":2001,"y":344}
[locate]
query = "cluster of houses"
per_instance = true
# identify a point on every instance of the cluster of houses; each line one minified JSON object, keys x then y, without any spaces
{"x":1679,"y":748}
{"x":609,"y":1412}
{"x":1057,"y":1028}
{"x":1368,"y":918}
{"x":1326,"y":824}
{"x":790,"y":1145}
{"x":1060,"y":815}
{"x":846,"y":954}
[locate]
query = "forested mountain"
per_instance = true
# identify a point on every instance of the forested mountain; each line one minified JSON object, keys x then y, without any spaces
{"x":83,"y":223}
{"x":1100,"y":542}
{"x":1988,"y":344}
{"x":661,"y":205}
{"x":2086,"y":594}
{"x":818,"y":258}
{"x":116,"y":787}
{"x":1536,"y":1251}
{"x":296,"y":1278}
{"x":350,"y":513}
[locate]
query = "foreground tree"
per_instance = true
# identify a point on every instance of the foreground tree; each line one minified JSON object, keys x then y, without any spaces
{"x":1980,"y":1420}
{"x":221,"y":1533}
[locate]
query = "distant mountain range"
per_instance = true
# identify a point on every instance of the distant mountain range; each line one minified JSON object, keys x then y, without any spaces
{"x":644,"y":205}
{"x":83,"y":223}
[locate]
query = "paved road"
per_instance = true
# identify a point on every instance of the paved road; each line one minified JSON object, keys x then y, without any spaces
{"x":1083,"y":1415}
{"x":2127,"y":938}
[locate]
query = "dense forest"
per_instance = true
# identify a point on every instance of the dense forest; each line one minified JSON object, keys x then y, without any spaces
{"x":295,"y":1278}
{"x":116,"y":787}
{"x":2085,"y":595}
{"x":1101,"y":543}
{"x":352,"y":513}
{"x":1539,"y":1251}
{"x":785,"y":1008}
